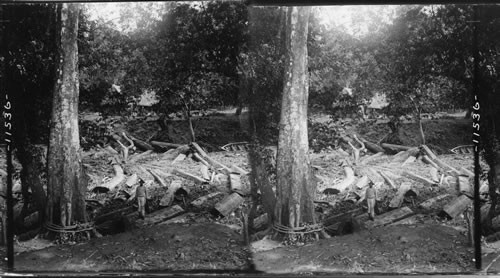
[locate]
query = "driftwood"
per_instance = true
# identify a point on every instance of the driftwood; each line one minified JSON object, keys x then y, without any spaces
{"x":168,"y":198}
{"x":394,"y":148}
{"x":428,"y":204}
{"x":115,"y":181}
{"x":456,"y":207}
{"x":140,"y":144}
{"x":164,"y":145}
{"x":229,"y":204}
{"x":349,"y":179}
{"x":390,"y":217}
{"x":163,"y":215}
{"x":397,"y":201}
{"x":203,"y":199}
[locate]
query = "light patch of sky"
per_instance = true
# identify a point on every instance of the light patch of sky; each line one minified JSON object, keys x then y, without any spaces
{"x":356,"y":20}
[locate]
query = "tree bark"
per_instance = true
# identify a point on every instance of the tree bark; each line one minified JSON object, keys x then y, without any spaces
{"x":66,"y":180}
{"x":295,"y":188}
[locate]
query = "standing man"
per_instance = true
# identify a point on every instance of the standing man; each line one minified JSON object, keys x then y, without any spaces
{"x":141,"y":196}
{"x":371,"y":197}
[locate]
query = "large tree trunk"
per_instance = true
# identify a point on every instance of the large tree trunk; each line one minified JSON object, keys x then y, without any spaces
{"x":66,"y":181}
{"x":295,"y":188}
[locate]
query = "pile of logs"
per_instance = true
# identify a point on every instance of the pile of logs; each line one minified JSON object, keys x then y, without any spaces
{"x":393,"y":176}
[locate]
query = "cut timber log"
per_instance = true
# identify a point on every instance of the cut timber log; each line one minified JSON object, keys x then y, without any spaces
{"x":434,"y":174}
{"x":412,"y":220}
{"x":349,"y":179}
{"x":465,"y":172}
{"x":158,"y":178}
{"x":260,"y":222}
{"x":394,"y":148}
{"x":180,"y":157}
{"x":163,"y":215}
{"x":141,"y":144}
{"x":409,"y":160}
{"x":433,"y":157}
{"x":388,"y":180}
{"x":229,"y":204}
{"x":198,"y":203}
{"x":341,"y":216}
{"x":133,"y":179}
{"x":188,"y":176}
{"x":115,"y":181}
{"x":200,"y":159}
{"x":418,"y":178}
{"x":374,"y":148}
{"x":456,"y":206}
{"x":164,"y":145}
{"x":464,"y":185}
{"x":390,"y":217}
{"x":168,"y":198}
{"x":429,"y":161}
{"x":236,"y":185}
{"x":397,"y":201}
{"x":362,"y":182}
{"x":210,"y":160}
{"x":137,"y":157}
{"x":370,"y":158}
{"x":402,"y":156}
{"x":428,"y":204}
{"x":239,"y":170}
{"x":204,"y":172}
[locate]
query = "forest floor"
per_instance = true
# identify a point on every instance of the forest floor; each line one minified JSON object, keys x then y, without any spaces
{"x":200,"y":241}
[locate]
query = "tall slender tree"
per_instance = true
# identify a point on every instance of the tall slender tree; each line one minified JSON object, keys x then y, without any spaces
{"x":295,"y":188}
{"x":66,"y":182}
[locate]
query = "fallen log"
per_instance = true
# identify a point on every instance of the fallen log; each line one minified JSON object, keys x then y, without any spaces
{"x":113,"y":214}
{"x":168,"y":198}
{"x":374,"y":148}
{"x":434,"y":174}
{"x":261,"y":222}
{"x":456,"y":207}
{"x":183,"y":218}
{"x":429,"y":161}
{"x":438,"y":161}
{"x":164,"y":145}
{"x":133,"y":179}
{"x":390,"y":217}
{"x":409,"y":160}
{"x":342,"y":216}
{"x":163,"y":215}
{"x":200,"y":159}
{"x":161,"y":171}
{"x":388,"y":180}
{"x":362,"y":182}
{"x":173,"y":153}
{"x":158,"y":178}
{"x":236,"y":185}
{"x":139,"y":156}
{"x":115,"y":181}
{"x":412,"y":220}
{"x":394,"y":148}
{"x":198,"y":203}
{"x":367,"y":159}
{"x":464,"y":185}
{"x":402,"y":156}
{"x":239,"y":170}
{"x":349,"y":179}
{"x":204,"y":172}
{"x":210,"y":160}
{"x":229,"y":204}
{"x":140,"y":144}
{"x":418,"y":178}
{"x":465,"y":172}
{"x":180,"y":157}
{"x":397,"y":201}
